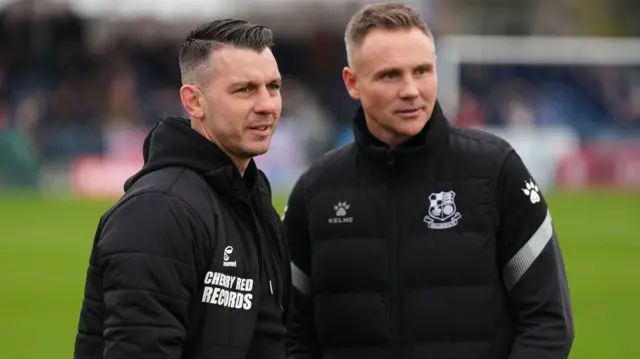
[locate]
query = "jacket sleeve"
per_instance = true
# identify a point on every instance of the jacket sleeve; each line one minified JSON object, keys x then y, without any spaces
{"x":532,"y":267}
{"x":149,"y":277}
{"x":302,"y":341}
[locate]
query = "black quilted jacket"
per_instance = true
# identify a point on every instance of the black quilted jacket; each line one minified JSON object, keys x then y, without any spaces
{"x":442,"y":248}
{"x":191,"y":263}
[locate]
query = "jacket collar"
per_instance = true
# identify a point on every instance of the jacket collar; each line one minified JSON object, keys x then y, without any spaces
{"x":432,"y":138}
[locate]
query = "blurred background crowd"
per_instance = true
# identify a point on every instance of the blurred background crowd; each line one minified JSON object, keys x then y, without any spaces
{"x":81,"y":83}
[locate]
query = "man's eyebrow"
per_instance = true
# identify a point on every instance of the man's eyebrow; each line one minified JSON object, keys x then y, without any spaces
{"x":243,"y":83}
{"x":395,"y":69}
{"x":250,"y":83}
{"x":387,"y":70}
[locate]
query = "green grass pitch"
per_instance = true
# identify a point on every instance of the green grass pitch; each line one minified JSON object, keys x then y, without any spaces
{"x":45,"y":244}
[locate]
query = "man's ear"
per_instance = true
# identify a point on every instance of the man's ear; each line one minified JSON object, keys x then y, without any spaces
{"x":193,"y":101}
{"x":350,"y":82}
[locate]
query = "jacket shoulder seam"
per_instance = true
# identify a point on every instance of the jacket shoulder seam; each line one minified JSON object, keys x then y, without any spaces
{"x":482,"y":136}
{"x":169,"y":195}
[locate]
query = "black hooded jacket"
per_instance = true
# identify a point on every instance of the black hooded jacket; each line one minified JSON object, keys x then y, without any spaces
{"x":442,"y":248}
{"x":190,"y":263}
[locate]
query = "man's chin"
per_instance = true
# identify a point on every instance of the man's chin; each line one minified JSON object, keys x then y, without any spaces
{"x":254,"y":151}
{"x":411,"y":129}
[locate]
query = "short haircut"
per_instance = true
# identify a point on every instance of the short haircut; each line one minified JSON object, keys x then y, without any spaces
{"x":386,"y":15}
{"x":200,"y":43}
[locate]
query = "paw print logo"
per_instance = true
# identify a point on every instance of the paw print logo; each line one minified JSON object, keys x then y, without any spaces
{"x":341,"y":209}
{"x":532,"y":191}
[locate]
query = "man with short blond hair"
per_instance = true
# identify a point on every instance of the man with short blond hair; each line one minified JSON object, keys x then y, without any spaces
{"x":420,"y":239}
{"x":388,"y":16}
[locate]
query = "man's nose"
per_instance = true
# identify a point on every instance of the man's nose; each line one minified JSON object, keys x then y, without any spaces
{"x":409,"y":90}
{"x":266,"y":104}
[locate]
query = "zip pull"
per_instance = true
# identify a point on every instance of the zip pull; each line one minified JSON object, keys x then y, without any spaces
{"x":270,"y":287}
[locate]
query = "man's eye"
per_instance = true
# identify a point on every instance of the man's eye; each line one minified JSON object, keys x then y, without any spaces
{"x":244,"y":89}
{"x":274,"y":87}
{"x":424,"y":70}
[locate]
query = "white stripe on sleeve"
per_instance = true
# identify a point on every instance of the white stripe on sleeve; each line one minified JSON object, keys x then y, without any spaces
{"x":521,"y":261}
{"x":300,"y":280}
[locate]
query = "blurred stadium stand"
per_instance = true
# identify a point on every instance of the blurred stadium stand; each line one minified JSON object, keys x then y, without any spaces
{"x":82,"y":81}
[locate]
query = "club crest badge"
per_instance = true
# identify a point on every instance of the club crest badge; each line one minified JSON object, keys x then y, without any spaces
{"x":443,"y":213}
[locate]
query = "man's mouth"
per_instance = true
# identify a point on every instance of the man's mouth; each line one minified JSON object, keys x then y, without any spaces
{"x":261,"y":130}
{"x":410,"y":112}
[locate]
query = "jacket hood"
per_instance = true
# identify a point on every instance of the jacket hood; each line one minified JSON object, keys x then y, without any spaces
{"x":173,"y":143}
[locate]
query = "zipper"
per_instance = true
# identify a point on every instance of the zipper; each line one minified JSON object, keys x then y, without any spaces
{"x":259,"y":224}
{"x":259,"y":233}
{"x":394,"y":273}
{"x":256,"y":230}
{"x":266,"y":250}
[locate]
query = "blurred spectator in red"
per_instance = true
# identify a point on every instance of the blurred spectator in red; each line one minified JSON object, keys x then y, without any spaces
{"x":471,"y":112}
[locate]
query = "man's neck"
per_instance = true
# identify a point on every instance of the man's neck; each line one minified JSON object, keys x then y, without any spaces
{"x":391,"y":139}
{"x":242,"y":166}
{"x":240,"y":162}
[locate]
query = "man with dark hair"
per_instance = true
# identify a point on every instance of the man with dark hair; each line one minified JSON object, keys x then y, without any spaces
{"x":421,"y":239}
{"x":191,"y":262}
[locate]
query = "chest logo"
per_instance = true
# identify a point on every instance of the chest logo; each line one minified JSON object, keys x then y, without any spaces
{"x":341,"y":209}
{"x":228,"y":291}
{"x":442,"y":211}
{"x":227,"y":258}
